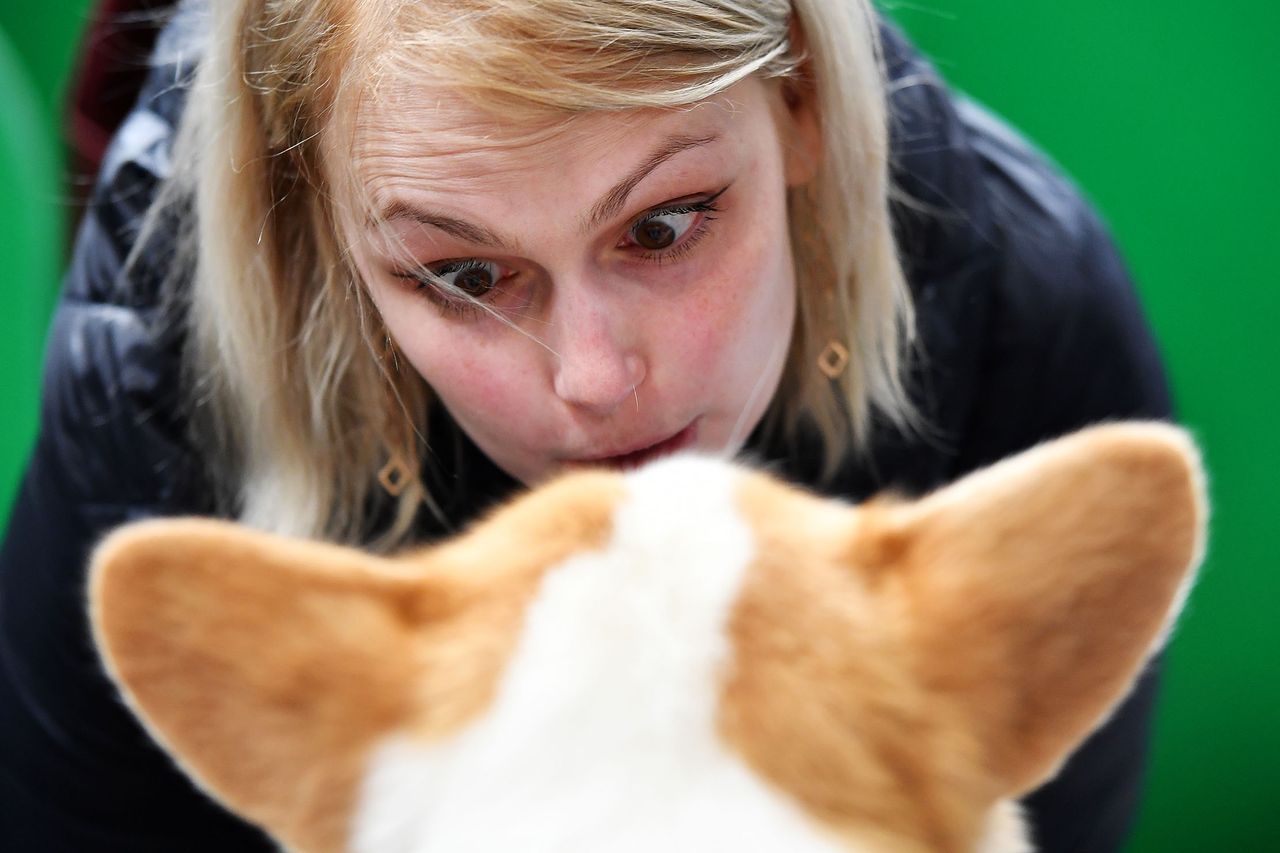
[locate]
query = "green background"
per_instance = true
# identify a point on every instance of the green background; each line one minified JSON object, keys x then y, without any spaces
{"x":1168,"y":115}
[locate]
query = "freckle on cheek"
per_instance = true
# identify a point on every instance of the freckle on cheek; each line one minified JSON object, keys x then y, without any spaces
{"x":490,"y":386}
{"x":491,"y":395}
{"x":706,"y":332}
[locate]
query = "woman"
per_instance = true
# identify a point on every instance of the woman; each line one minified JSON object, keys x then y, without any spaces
{"x":411,"y":256}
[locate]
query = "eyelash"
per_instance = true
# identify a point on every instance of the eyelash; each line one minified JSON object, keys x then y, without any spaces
{"x":449,"y":306}
{"x":707,"y":206}
{"x":463,"y":308}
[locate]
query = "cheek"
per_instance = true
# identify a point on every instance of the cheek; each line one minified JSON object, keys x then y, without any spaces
{"x":743,"y":306}
{"x":476,"y":373}
{"x":476,"y":378}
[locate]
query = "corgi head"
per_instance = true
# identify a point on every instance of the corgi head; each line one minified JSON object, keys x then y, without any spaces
{"x":691,"y":656}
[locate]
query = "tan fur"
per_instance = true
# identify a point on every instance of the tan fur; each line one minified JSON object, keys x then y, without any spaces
{"x":905,"y":665}
{"x":1072,"y":557}
{"x":249,"y":655}
{"x":899,"y":669}
{"x":226,"y":649}
{"x":461,"y":646}
{"x":822,"y":700}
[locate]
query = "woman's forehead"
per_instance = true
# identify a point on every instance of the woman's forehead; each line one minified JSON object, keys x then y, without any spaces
{"x":431,"y":136}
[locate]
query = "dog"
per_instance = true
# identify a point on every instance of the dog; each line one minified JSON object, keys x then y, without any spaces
{"x":691,"y":656}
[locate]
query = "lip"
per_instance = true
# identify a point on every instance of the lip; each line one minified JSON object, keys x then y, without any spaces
{"x":637,"y":455}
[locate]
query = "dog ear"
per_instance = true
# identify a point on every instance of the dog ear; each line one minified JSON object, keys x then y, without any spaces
{"x":266,"y":666}
{"x":1038,"y":588}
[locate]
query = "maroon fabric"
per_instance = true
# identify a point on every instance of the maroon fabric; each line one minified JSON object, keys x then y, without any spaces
{"x":109,"y":74}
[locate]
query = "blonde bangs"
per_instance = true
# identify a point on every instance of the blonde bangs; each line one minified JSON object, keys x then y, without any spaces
{"x":587,"y":55}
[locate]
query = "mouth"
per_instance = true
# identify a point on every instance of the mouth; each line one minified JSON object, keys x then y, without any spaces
{"x":634,"y":458}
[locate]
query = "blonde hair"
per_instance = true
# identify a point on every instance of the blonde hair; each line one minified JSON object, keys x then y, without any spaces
{"x":302,"y":397}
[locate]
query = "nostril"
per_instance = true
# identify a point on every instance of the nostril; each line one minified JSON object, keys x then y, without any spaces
{"x":635,"y":370}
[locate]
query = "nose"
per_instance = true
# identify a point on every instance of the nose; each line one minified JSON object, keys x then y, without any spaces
{"x":597,"y":367}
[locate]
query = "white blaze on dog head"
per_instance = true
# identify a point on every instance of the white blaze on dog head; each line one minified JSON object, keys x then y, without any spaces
{"x":688,"y":657}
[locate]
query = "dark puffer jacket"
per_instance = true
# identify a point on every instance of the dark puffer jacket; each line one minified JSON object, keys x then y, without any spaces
{"x":1030,"y":329}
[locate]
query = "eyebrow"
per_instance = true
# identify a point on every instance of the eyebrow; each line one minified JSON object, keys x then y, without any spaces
{"x":608,"y":205}
{"x":459,"y":228}
{"x":615,"y":198}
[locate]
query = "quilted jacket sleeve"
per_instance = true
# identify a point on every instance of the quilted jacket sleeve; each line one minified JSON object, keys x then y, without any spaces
{"x":76,"y":772}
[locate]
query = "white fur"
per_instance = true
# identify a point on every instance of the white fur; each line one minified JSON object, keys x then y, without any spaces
{"x":603,"y":732}
{"x":1006,"y":830}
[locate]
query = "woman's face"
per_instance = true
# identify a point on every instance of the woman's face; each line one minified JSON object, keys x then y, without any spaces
{"x":634,"y":268}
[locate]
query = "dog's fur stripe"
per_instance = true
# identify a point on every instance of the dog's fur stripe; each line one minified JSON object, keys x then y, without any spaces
{"x":603,"y":732}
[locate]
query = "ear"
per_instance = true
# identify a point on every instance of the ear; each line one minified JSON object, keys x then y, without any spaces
{"x":799,"y":129}
{"x":797,"y":116}
{"x":266,"y":666}
{"x":1038,"y":588}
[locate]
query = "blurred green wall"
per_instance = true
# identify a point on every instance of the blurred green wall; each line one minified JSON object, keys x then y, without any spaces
{"x":1166,"y":113}
{"x":37,"y":42}
{"x":45,"y":36}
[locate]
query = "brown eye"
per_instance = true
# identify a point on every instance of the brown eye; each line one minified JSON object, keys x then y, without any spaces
{"x":655,"y":234}
{"x":472,"y":277}
{"x":663,"y":229}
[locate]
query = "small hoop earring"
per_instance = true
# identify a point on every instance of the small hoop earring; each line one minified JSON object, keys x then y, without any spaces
{"x":833,"y":359}
{"x":395,"y":476}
